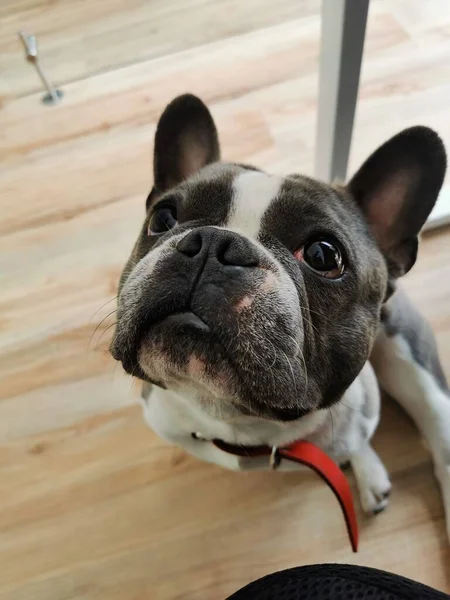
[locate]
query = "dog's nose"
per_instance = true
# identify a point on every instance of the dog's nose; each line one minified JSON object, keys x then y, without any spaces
{"x":226,"y":247}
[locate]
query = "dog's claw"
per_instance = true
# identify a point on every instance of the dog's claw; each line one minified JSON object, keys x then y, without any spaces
{"x":380,"y":508}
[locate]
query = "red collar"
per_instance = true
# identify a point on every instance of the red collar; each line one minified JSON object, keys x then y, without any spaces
{"x":311,"y":456}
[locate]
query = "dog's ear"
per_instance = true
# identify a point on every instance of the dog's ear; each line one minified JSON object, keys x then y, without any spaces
{"x":396,"y":188}
{"x":185,"y":141}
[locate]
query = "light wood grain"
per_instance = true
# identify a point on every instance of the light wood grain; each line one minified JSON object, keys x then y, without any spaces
{"x":82,"y":39}
{"x":93,"y":504}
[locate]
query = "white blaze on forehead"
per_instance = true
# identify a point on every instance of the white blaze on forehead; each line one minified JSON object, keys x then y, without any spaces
{"x":252,"y":193}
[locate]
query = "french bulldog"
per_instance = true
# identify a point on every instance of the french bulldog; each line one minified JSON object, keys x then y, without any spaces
{"x":257,"y":308}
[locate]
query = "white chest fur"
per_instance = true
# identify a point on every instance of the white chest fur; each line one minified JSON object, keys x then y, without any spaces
{"x":340,"y":431}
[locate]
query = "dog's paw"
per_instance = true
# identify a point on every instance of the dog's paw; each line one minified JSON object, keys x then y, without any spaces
{"x":375,"y":498}
{"x":372,"y":480}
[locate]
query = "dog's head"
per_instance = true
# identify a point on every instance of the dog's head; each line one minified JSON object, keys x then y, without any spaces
{"x":263,"y":293}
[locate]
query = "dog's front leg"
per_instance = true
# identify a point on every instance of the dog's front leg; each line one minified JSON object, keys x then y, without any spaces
{"x":347,"y":438}
{"x":372,"y":480}
{"x":407,"y":365}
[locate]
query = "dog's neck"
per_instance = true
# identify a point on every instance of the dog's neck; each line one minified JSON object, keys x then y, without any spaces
{"x":218,"y":418}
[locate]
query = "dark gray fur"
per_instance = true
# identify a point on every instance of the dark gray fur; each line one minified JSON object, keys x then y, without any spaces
{"x":375,"y":219}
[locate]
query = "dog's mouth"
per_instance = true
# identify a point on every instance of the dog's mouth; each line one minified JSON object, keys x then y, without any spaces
{"x":193,"y":348}
{"x":161,"y":326}
{"x":182,"y":345}
{"x":186,"y":320}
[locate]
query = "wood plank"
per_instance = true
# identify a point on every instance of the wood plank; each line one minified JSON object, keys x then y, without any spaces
{"x":80,"y":38}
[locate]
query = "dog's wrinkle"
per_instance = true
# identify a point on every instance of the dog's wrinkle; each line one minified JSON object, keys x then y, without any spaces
{"x":198,"y":276}
{"x":289,"y":414}
{"x":145,"y":321}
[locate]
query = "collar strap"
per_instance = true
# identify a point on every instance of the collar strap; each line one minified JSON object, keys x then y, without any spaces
{"x":313,"y":457}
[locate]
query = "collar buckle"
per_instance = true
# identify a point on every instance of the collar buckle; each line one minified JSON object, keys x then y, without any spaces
{"x":275,"y":458}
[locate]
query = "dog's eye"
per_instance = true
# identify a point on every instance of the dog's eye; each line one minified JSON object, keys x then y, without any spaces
{"x":163,"y":219}
{"x":322,"y":256}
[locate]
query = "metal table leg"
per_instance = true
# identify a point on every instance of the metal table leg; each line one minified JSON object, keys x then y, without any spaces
{"x":343,"y":32}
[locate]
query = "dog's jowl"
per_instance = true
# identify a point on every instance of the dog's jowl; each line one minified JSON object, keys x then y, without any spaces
{"x":251,"y":303}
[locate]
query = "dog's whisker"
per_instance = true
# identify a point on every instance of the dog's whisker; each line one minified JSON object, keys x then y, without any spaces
{"x":350,"y":407}
{"x":102,"y":307}
{"x":309,"y":322}
{"x":103,"y":333}
{"x":292,"y":371}
{"x":116,"y":366}
{"x":99,"y":325}
{"x":170,"y":230}
{"x":245,"y":450}
{"x":332,"y":426}
{"x":305,"y":370}
{"x":274,"y":354}
{"x":310,"y":310}
{"x":133,"y":379}
{"x":269,"y":368}
{"x":302,"y":357}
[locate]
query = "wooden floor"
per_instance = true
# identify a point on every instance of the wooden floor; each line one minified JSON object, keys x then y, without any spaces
{"x":92,"y":504}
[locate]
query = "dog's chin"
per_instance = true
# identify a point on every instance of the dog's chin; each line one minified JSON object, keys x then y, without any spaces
{"x":181,"y":352}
